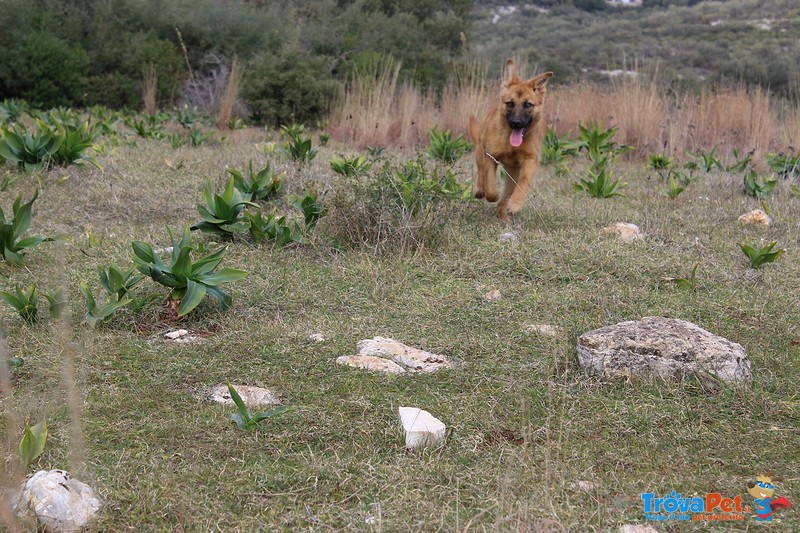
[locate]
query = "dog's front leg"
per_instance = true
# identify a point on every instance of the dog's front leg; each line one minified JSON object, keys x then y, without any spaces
{"x":515,"y":192}
{"x":485,"y":186}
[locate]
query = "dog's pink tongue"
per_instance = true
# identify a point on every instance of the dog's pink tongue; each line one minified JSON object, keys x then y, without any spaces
{"x":516,"y":138}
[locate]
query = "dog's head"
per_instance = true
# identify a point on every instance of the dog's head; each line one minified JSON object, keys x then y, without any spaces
{"x":522,"y":100}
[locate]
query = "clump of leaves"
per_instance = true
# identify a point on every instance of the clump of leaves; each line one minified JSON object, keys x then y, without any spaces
{"x":56,"y":302}
{"x":189,"y":281}
{"x":297,"y":147}
{"x":446,"y":148}
{"x":600,"y":183}
{"x":197,"y":137}
{"x":243,"y":418}
{"x":785,"y":166}
{"x":556,"y":150}
{"x":706,"y":161}
{"x":416,"y":187}
{"x":222,"y":214}
{"x":761,"y":256}
{"x":75,"y":142}
{"x":12,"y":246}
{"x":7,"y":180}
{"x":11,"y":110}
{"x":673,"y":188}
{"x":741,"y":162}
{"x":350,"y":166}
{"x":274,"y":229}
{"x":277,"y":230}
{"x":186,"y":117}
{"x":375,"y":151}
{"x":259,"y":185}
{"x":689,"y":283}
{"x":309,"y":205}
{"x":598,"y":140}
{"x":96,"y":313}
{"x":26,"y":302}
{"x":33,"y":442}
{"x":29,"y":149}
{"x":758,"y":186}
{"x":662,"y":164}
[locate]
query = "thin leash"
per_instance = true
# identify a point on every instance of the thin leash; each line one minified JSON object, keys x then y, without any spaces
{"x":490,"y":156}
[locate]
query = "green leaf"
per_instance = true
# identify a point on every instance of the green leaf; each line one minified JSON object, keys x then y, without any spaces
{"x":195,"y":292}
{"x":237,"y":400}
{"x":224,"y":275}
{"x":275,"y":411}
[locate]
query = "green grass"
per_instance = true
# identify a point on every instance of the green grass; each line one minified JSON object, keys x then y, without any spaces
{"x":525,"y":423}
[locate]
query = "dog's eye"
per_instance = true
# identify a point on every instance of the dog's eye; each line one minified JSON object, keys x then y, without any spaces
{"x":528,"y":105}
{"x":510,"y":105}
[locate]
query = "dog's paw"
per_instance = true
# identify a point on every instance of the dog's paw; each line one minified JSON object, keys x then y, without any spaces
{"x":479,"y":194}
{"x":491,"y":197}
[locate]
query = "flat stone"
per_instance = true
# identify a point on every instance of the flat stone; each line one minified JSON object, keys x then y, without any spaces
{"x":317,"y":337}
{"x":251,"y":396}
{"x":508,"y":236}
{"x":58,"y":501}
{"x":493,"y":295}
{"x":422,"y":428}
{"x":669,"y":348}
{"x":756,"y":217}
{"x":370,"y":362}
{"x":413,"y":359}
{"x":546,"y":330}
{"x":625,"y":232}
{"x":585,"y":486}
{"x":178,"y":333}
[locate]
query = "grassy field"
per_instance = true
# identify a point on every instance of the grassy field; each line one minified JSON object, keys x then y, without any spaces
{"x":533,"y":442}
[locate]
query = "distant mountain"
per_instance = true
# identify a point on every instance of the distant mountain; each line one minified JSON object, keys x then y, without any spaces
{"x":688,"y":42}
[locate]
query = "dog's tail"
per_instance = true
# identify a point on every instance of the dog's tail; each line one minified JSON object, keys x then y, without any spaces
{"x":474,"y":129}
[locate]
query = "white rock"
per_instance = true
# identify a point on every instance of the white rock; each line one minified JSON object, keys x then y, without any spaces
{"x":508,"y":236}
{"x":251,"y":396}
{"x":669,"y":348}
{"x":412,"y":358}
{"x":756,"y":217}
{"x":422,"y":428}
{"x":636,"y":528}
{"x":369,"y":362}
{"x":172,"y":335}
{"x":627,"y":233}
{"x":317,"y":337}
{"x":493,"y":295}
{"x":167,"y":250}
{"x":57,"y":500}
{"x":545,"y":330}
{"x":586,"y":486}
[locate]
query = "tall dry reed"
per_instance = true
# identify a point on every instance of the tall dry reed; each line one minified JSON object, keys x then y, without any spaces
{"x":231,"y":94}
{"x":377,"y":109}
{"x":149,"y":87}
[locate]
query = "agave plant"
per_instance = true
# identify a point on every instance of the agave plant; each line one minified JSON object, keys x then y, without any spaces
{"x":297,"y":147}
{"x":758,"y":187}
{"x":12,"y":246}
{"x":189,"y":281}
{"x":601,"y":183}
{"x":75,"y":141}
{"x":96,"y":313}
{"x":275,"y":229}
{"x":350,"y":166}
{"x":308,"y":205}
{"x":118,"y":282}
{"x":222,"y":214}
{"x":446,"y":148}
{"x":761,"y":256}
{"x":29,"y":149}
{"x":11,"y":110}
{"x":26,"y":302}
{"x":258,"y":185}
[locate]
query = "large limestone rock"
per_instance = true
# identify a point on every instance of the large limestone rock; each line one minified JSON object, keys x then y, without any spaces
{"x":253,"y":397}
{"x":370,"y":362}
{"x":664,"y":347}
{"x":413,"y":359}
{"x":422,"y":428}
{"x":58,"y":501}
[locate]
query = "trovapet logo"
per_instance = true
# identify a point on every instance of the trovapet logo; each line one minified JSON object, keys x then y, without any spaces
{"x":676,"y":507}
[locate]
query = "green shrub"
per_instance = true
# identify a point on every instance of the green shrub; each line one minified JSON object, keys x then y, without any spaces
{"x":13,"y":246}
{"x":96,"y":313}
{"x":287,"y":87}
{"x":446,"y":148}
{"x":275,"y":229}
{"x":600,"y":183}
{"x":222,"y":214}
{"x":758,"y":186}
{"x":556,"y":150}
{"x":350,"y":166}
{"x":761,"y":256}
{"x":26,"y":302}
{"x":785,"y":166}
{"x":189,"y":281}
{"x":260,"y":185}
{"x":33,"y":442}
{"x":309,"y":206}
{"x":297,"y":148}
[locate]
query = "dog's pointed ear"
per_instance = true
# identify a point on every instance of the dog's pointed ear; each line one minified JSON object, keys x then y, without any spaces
{"x":509,"y":72}
{"x":539,"y":83}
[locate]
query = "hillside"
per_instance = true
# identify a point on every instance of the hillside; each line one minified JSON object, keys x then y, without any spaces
{"x":750,"y":40}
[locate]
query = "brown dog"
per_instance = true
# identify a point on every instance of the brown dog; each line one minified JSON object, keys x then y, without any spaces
{"x":511,"y":133}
